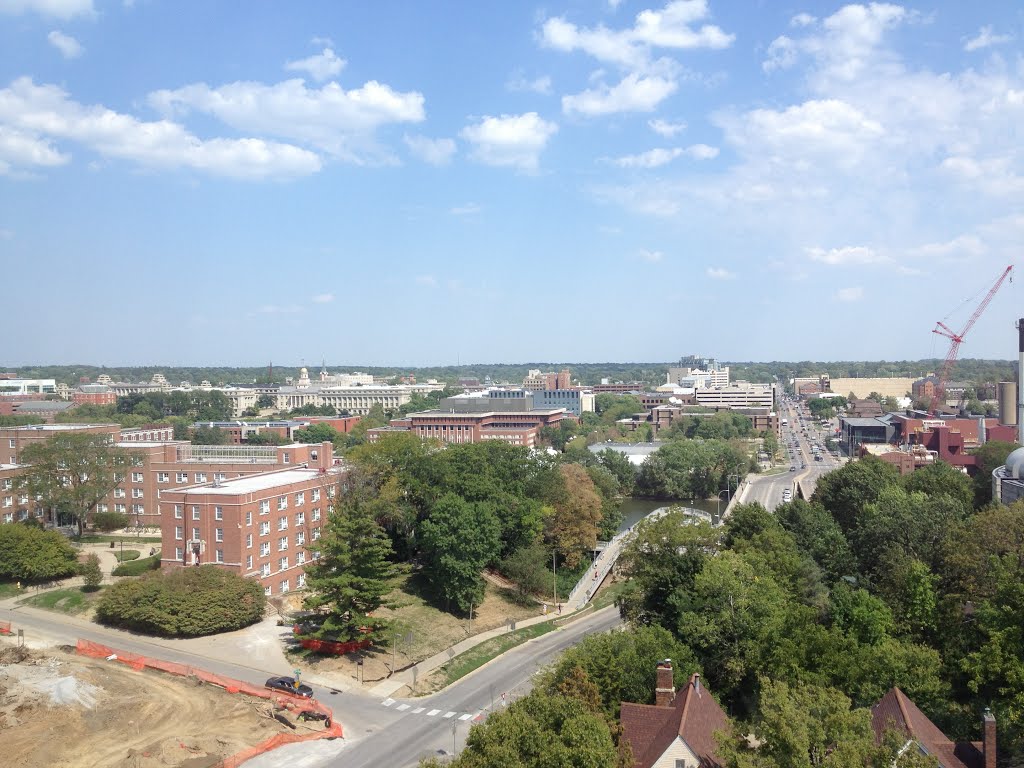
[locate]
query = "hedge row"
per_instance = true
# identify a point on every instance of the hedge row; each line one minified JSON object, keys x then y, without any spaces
{"x":137,"y":567}
{"x":189,"y":602}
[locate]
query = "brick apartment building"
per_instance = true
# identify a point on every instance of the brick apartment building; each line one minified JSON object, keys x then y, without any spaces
{"x":158,"y":465}
{"x":262,"y":526}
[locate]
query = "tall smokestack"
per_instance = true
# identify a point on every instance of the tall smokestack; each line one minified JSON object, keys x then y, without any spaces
{"x":1020,"y":381}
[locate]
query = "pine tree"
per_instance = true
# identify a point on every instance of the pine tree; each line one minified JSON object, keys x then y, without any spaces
{"x":352,"y":575}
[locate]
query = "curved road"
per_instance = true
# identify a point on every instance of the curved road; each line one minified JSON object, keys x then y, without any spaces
{"x":395,"y":733}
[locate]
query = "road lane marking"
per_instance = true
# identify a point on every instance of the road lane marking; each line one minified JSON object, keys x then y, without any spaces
{"x":448,"y":715}
{"x":387,"y":702}
{"x":433,"y":712}
{"x":418,"y":710}
{"x":402,"y":707}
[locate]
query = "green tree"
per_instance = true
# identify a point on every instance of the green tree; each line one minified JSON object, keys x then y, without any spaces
{"x":989,"y":456}
{"x":351,"y":578}
{"x":265,"y":401}
{"x":91,"y":572}
{"x":662,"y":560}
{"x":845,"y":491}
{"x":818,"y":534}
{"x":109,"y":521}
{"x":941,"y":479}
{"x":210,"y":436}
{"x":538,"y":731}
{"x":458,"y":539}
{"x":316,"y":433}
{"x":72,"y":472}
{"x":29,"y":553}
{"x":577,"y":513}
{"x":620,"y":466}
{"x":806,"y":726}
{"x":622,"y":665}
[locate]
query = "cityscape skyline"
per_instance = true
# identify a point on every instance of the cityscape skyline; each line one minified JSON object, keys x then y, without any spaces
{"x":415,"y":185}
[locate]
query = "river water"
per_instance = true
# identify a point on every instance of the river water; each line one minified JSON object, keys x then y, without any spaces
{"x":634,"y":510}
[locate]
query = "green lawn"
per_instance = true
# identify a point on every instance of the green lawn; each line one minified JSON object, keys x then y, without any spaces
{"x":9,"y":590}
{"x":72,"y":601}
{"x":137,"y":567}
{"x":128,"y":554}
{"x":608,"y":595}
{"x":476,"y":657}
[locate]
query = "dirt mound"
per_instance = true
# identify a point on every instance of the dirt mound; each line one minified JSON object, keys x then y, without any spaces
{"x":69,"y":711}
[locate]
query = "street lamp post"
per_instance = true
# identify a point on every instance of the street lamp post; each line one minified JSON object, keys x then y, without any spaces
{"x":718,"y":517}
{"x":554,"y":579}
{"x":728,"y":482}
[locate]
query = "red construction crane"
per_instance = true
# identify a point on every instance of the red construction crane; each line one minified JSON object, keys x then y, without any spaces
{"x":957,"y":339}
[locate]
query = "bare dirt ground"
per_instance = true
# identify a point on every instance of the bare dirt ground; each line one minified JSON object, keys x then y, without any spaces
{"x":66,"y":711}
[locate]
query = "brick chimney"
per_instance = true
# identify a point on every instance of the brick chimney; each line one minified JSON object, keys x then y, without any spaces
{"x":665,"y":691}
{"x":988,"y":738}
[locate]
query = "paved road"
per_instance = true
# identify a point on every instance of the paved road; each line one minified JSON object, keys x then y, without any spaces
{"x":768,"y":489}
{"x":396,"y":735}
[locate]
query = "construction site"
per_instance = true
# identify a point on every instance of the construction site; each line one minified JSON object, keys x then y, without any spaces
{"x":66,"y":708}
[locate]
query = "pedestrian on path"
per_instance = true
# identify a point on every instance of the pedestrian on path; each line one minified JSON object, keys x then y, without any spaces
{"x":559,"y":609}
{"x":545,"y":611}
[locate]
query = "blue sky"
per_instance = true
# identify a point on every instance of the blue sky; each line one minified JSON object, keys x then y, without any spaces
{"x":416,"y":183}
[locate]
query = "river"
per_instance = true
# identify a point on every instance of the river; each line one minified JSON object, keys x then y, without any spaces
{"x":634,"y":510}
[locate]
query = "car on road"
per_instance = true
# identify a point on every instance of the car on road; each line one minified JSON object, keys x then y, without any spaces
{"x":792,"y":469}
{"x":289,"y":685}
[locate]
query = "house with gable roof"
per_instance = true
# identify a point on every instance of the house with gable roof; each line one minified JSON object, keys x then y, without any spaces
{"x":678,"y":730}
{"x":895,"y":711}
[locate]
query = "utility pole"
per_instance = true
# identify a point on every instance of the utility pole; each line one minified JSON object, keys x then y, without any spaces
{"x":470,"y":617}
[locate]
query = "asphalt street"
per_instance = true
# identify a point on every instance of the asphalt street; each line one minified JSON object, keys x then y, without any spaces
{"x":391,"y":732}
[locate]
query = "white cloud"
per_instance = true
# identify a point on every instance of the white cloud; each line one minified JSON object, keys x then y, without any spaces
{"x":718,"y":273}
{"x":652,"y":257}
{"x":20,"y":150}
{"x":634,"y":93}
{"x":984,"y":39}
{"x":647,"y":80}
{"x":656,"y":158}
{"x":60,"y":9}
{"x":67,"y":45}
{"x":671,"y":27}
{"x":433,"y":151}
{"x":666,"y":128}
{"x":855,"y":293}
{"x":428,"y":280}
{"x":466,"y":210}
{"x":518,"y":82}
{"x":509,"y":140}
{"x":44,"y":113}
{"x":321,"y":40}
{"x":802,"y":20}
{"x":323,"y":298}
{"x":330,"y":118}
{"x":6,"y":234}
{"x":321,"y":66}
{"x":962,"y":246}
{"x":856,"y":254}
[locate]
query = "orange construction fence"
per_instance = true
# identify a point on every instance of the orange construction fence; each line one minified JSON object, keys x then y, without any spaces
{"x":329,"y":646}
{"x":5,"y":627}
{"x":295,"y":704}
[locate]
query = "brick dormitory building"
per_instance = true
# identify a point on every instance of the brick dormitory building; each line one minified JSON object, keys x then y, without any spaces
{"x":262,"y":526}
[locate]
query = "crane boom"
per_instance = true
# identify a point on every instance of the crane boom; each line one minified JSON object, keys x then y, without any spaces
{"x":956,"y":339}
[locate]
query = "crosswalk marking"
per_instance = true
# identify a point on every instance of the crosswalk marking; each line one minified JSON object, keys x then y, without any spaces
{"x":387,"y":702}
{"x":448,"y":715}
{"x":418,"y":710}
{"x":433,"y":712}
{"x":464,"y":717}
{"x":402,"y":707}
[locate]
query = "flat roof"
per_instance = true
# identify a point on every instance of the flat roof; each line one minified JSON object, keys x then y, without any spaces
{"x":60,"y":427}
{"x":264,"y":481}
{"x":864,"y":421}
{"x":146,"y":443}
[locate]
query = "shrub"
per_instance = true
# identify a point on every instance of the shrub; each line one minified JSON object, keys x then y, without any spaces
{"x":128,"y":554}
{"x":109,"y":521}
{"x":137,"y":567}
{"x":28,"y":553}
{"x":188,"y":602}
{"x":91,"y":572}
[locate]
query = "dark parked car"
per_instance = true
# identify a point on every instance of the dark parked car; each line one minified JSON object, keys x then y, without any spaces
{"x":288,"y":685}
